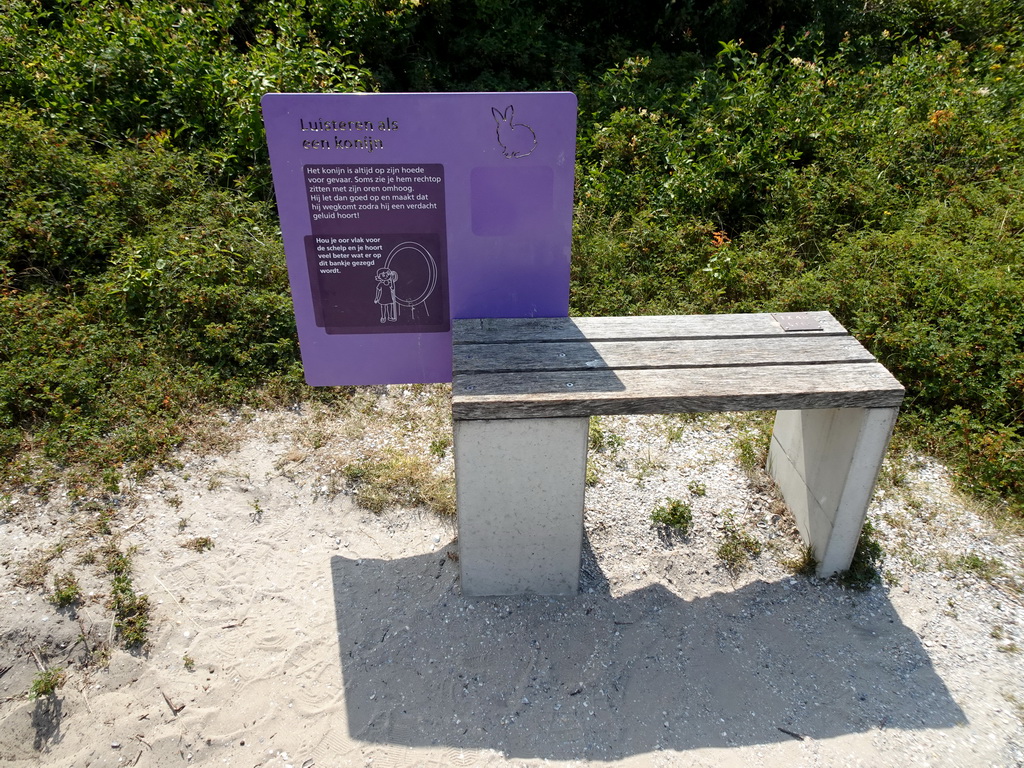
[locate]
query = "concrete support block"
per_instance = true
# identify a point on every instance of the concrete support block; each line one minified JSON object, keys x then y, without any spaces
{"x":826,"y":463}
{"x":519,"y":487}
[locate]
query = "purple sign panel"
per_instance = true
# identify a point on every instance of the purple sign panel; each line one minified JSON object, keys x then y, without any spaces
{"x":402,"y":211}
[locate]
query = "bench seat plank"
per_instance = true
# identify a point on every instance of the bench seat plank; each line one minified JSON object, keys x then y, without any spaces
{"x":605,"y":392}
{"x":547,"y":329}
{"x":687,"y":353}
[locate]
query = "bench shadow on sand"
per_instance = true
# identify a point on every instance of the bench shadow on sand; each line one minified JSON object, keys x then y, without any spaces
{"x":601,"y":678}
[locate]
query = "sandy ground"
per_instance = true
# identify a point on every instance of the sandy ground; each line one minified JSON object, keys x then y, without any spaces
{"x":321,"y":634}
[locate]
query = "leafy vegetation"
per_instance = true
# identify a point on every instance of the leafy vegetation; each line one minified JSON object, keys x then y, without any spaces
{"x":864,"y":159}
{"x":198,"y":544}
{"x":804,"y":564}
{"x":737,"y":546}
{"x":388,"y":478}
{"x":66,"y":590}
{"x":134,"y":290}
{"x":48,"y":682}
{"x":865,"y":570}
{"x":674,"y":514}
{"x":131,"y":609}
{"x":796,"y":178}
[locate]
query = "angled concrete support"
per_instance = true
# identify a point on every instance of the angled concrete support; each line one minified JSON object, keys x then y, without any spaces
{"x":826,"y":462}
{"x":519,"y":486}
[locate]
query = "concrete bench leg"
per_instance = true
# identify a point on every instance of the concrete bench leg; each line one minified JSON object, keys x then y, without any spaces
{"x":826,"y":463}
{"x":519,"y":487}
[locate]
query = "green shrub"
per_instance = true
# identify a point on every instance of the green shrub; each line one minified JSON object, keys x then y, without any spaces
{"x":737,"y":546}
{"x":674,"y":514}
{"x":131,"y":610}
{"x":66,"y":590}
{"x":48,"y":682}
{"x":159,"y":293}
{"x":192,"y":70}
{"x":865,"y":569}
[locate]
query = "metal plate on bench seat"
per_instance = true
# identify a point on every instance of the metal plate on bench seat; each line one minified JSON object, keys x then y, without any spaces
{"x":797,"y":321}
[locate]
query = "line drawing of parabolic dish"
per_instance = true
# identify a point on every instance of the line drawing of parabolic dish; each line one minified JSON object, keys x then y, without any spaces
{"x":424,"y":285}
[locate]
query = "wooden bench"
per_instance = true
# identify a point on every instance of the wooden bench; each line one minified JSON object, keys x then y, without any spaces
{"x":524,"y":389}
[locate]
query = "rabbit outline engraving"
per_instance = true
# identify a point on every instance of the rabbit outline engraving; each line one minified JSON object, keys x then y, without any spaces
{"x":516,"y":139}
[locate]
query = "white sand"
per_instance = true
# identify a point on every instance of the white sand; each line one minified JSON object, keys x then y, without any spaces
{"x":325,"y":635}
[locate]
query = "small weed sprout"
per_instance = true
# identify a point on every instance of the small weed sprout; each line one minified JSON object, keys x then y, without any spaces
{"x":103,"y":521}
{"x":355,"y":472}
{"x":33,"y":570}
{"x":647,"y":466}
{"x":753,"y":435}
{"x":804,"y":564}
{"x":131,"y":610}
{"x":601,"y":439}
{"x":865,"y":569}
{"x":66,"y":590}
{"x":950,"y":609}
{"x":198,"y":544}
{"x":676,"y":425}
{"x":189,"y":662}
{"x":89,"y":557}
{"x":674,"y":514}
{"x":697,"y":488}
{"x":131,"y":613}
{"x":986,"y":568}
{"x":118,"y":563}
{"x":256,"y":516}
{"x":47,"y":682}
{"x":439,"y":445}
{"x":738,"y":546}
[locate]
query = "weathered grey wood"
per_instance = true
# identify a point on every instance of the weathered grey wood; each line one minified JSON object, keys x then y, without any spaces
{"x":689,"y":353}
{"x":598,"y":392}
{"x":841,"y":403}
{"x":537,"y":329}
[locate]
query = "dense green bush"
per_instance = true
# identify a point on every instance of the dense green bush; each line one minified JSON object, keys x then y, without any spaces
{"x":195,"y":70}
{"x":890,"y":195}
{"x":134,"y":290}
{"x":861,"y":158}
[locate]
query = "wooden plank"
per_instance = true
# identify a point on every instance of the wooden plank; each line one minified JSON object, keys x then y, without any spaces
{"x":690,"y":353}
{"x":549,"y":329}
{"x":598,"y":392}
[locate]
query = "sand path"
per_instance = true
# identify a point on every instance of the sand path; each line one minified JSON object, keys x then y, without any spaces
{"x":320,"y":634}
